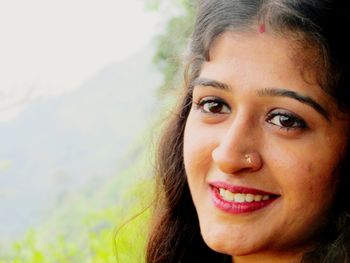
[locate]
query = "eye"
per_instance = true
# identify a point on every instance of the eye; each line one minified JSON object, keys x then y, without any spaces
{"x":213,"y":105}
{"x":286,"y":120}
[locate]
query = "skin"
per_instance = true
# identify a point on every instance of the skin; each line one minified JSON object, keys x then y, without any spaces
{"x":298,"y":163}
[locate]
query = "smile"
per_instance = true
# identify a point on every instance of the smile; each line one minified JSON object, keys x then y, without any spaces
{"x":237,"y":199}
{"x":241,"y":197}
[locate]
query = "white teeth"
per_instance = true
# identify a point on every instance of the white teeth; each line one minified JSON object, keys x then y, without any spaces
{"x":266,"y":197}
{"x":229,"y":196}
{"x":222,"y":192}
{"x":240,"y":197}
{"x":258,"y":198}
{"x":249,"y":198}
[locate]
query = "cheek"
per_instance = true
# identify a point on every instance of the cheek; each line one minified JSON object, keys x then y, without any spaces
{"x":198,"y":146}
{"x":304,"y":173}
{"x":197,"y":154}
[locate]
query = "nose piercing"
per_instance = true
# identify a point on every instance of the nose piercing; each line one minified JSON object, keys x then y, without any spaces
{"x":248,"y":158}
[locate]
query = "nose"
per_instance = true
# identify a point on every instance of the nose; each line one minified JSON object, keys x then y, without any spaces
{"x":237,"y":151}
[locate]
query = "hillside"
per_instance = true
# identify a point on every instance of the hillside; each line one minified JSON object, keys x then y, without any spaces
{"x":59,"y":148}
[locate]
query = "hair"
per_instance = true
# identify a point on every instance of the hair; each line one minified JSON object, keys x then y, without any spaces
{"x":175,"y":235}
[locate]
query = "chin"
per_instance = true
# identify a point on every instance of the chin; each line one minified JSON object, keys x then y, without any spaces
{"x":228,"y":249}
{"x":222,"y":243}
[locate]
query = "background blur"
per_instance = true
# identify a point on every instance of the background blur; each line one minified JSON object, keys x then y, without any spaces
{"x":84,"y":86}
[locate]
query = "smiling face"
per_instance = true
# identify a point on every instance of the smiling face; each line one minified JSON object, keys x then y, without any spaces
{"x":261,"y":149}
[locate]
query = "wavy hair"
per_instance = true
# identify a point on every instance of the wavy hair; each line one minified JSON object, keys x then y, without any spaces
{"x":314,"y":24}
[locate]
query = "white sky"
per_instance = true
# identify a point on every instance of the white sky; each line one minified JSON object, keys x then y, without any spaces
{"x":48,"y":47}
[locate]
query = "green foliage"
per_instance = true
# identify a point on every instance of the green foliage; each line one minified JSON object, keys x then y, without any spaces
{"x":116,"y":232}
{"x":97,"y":244}
{"x":172,"y":44}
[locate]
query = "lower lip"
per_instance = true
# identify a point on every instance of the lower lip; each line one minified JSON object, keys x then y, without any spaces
{"x":238,"y":208}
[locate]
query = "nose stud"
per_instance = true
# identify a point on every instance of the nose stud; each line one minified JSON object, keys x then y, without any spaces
{"x":233,"y":161}
{"x":248,"y":158}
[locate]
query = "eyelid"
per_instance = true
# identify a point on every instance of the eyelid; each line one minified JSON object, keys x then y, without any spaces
{"x":280,"y":111}
{"x":200,"y":103}
{"x":211,"y":98}
{"x":300,"y":122}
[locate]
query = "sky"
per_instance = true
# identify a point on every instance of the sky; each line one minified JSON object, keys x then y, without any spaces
{"x":50,"y":47}
{"x":51,"y":144}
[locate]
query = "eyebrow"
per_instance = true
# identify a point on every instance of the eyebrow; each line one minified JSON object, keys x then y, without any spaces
{"x":294,"y":95}
{"x":209,"y":83}
{"x":274,"y":92}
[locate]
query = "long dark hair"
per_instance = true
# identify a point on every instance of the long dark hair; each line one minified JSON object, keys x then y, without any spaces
{"x":175,"y":234}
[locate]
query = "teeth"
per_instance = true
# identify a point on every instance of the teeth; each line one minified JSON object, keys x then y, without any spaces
{"x":266,"y":197}
{"x":240,"y":197}
{"x":258,"y":198}
{"x":227,"y":195}
{"x":249,"y":198}
{"x":222,"y":192}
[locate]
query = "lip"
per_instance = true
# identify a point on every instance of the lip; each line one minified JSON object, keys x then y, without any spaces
{"x":237,"y":207}
{"x":240,"y":189}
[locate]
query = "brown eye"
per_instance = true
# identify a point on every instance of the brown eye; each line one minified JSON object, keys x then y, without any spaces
{"x":286,"y":120}
{"x":213,"y":105}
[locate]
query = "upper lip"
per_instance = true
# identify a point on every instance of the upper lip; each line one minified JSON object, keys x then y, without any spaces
{"x":240,"y":189}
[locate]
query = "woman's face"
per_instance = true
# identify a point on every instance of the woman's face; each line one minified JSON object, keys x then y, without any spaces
{"x":261,"y":148}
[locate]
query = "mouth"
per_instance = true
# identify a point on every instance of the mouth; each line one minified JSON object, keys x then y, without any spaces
{"x":227,"y":195}
{"x":238,"y":199}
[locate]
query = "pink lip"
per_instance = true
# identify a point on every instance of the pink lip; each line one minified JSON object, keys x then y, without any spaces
{"x":235,"y":207}
{"x":239,"y":189}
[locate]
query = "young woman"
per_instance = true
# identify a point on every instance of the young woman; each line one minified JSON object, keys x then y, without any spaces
{"x":253,"y":168}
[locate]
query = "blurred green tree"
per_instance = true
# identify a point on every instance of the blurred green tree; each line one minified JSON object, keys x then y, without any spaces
{"x":96,"y":243}
{"x":171,"y":44}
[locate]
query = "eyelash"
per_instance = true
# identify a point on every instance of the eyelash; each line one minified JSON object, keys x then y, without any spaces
{"x":297,"y":122}
{"x":213,"y":100}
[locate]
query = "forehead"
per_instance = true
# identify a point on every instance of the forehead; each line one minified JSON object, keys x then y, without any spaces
{"x":262,"y":48}
{"x":263,"y":60}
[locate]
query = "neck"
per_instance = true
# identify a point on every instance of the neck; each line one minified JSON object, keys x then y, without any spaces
{"x":290,"y":257}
